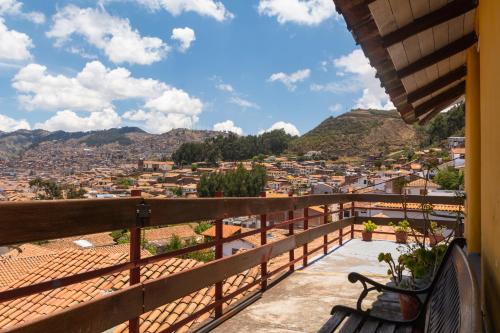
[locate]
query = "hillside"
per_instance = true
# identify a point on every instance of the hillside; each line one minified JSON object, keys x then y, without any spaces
{"x":357,"y":133}
{"x":133,"y":140}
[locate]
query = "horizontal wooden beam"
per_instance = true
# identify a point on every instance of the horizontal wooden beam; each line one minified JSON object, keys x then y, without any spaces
{"x":42,"y":220}
{"x":447,"y":12}
{"x":450,"y":94}
{"x":437,"y":84}
{"x":441,"y":54}
{"x":30,"y":221}
{"x":427,"y":117}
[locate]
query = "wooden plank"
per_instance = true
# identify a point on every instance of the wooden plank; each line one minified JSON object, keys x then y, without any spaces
{"x":446,"y":13}
{"x":352,"y":323}
{"x":383,"y":17}
{"x":454,"y":92}
{"x":437,"y":84}
{"x":439,"y":55}
{"x":40,"y":220}
{"x":431,"y":199}
{"x":333,"y":322}
{"x":96,"y":315}
{"x":369,"y":326}
{"x":416,"y":223}
{"x":174,"y":286}
{"x":387,"y":328}
{"x":174,"y":211}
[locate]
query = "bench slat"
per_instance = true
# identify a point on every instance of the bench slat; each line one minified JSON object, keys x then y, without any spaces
{"x":333,"y":322}
{"x":352,"y":323}
{"x":387,"y":328}
{"x":369,"y":326}
{"x":404,"y":329}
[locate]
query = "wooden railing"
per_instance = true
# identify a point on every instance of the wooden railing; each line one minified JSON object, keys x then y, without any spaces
{"x":43,"y":220}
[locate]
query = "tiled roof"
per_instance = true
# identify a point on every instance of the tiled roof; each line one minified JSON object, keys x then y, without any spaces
{"x":227,"y":231}
{"x":183,"y":231}
{"x":420,"y":182}
{"x":417,"y":206}
{"x":100,"y":239}
{"x":71,"y":262}
{"x":26,"y":250}
{"x":13,"y":269}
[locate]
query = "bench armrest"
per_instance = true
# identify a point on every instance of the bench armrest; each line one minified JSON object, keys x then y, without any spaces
{"x":374,"y":285}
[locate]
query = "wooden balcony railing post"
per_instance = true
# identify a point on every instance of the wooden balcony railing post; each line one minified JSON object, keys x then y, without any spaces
{"x":306,"y":226}
{"x":341,"y":217}
{"x":143,"y":213}
{"x":219,"y":246}
{"x":325,"y":237}
{"x":263,"y":241}
{"x":291,"y":253}
{"x":354,"y":219}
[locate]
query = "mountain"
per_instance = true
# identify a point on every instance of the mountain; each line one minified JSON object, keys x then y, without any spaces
{"x":358,"y":133}
{"x":133,"y":140}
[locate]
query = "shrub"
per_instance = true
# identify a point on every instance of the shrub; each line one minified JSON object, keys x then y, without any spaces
{"x":369,"y":226}
{"x":401,"y":226}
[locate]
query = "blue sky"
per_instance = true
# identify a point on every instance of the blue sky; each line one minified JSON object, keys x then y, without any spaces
{"x":243,"y":66}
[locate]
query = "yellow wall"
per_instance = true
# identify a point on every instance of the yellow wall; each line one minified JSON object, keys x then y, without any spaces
{"x":473,"y":153}
{"x":489,"y":56}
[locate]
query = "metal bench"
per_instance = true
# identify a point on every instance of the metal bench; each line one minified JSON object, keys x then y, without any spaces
{"x":449,"y":304}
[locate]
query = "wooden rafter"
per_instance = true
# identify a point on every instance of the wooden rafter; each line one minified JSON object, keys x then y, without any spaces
{"x":437,"y":84}
{"x":445,"y":52}
{"x":452,"y":93}
{"x":441,"y":15}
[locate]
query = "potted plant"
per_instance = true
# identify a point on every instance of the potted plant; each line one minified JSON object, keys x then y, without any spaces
{"x":408,"y":304}
{"x":369,"y":228}
{"x":401,"y":230}
{"x":420,"y":264}
{"x":436,"y":234}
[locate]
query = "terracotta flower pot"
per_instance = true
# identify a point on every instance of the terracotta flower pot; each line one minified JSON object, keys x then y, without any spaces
{"x":434,"y":239}
{"x":401,"y":237}
{"x":409,"y":306}
{"x":367,"y":235}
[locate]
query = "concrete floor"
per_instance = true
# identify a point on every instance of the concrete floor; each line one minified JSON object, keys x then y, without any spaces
{"x":302,"y":301}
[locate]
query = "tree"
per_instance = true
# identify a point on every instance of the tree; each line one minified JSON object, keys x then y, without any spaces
{"x":75,"y":192}
{"x":450,"y":179}
{"x":232,"y":147}
{"x":46,"y":189}
{"x":444,"y":125}
{"x":234,"y":183}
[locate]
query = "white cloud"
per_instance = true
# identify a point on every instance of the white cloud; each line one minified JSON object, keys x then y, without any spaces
{"x":210,"y":8}
{"x":176,"y":101}
{"x":357,"y":65}
{"x":228,"y":126}
{"x":357,"y":75}
{"x":95,"y":88}
{"x":8,"y":124}
{"x":14,"y":8}
{"x":244,"y":103}
{"x":304,"y":12}
{"x":225,"y":87}
{"x":291,"y":80}
{"x":92,"y":89}
{"x":185,"y":36}
{"x":70,"y":121}
{"x":14,"y":45}
{"x":159,"y":122}
{"x":289,"y":128}
{"x":337,"y":87}
{"x":113,"y":35}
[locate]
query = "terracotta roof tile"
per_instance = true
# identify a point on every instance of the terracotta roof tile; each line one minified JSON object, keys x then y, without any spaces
{"x":70,"y":262}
